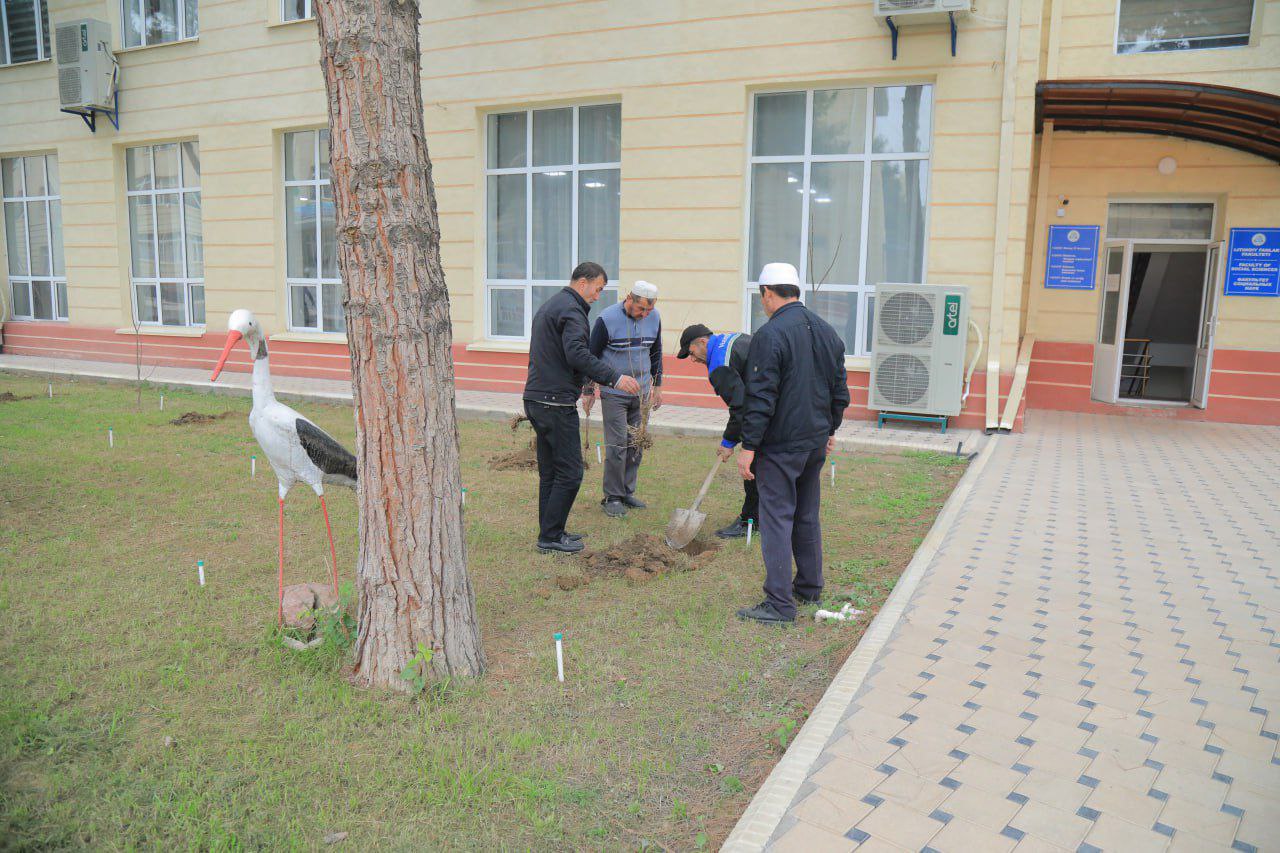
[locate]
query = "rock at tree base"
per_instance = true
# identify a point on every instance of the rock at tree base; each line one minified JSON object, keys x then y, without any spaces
{"x":301,"y":600}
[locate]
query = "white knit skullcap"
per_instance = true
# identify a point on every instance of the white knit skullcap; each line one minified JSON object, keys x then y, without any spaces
{"x":644,"y":290}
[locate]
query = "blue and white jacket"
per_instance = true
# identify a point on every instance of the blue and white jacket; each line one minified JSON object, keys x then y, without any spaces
{"x":727,"y":371}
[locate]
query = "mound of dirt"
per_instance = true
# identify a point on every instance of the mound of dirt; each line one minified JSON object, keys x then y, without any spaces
{"x":524,"y":459}
{"x":10,"y":397}
{"x":645,"y":556}
{"x":189,"y":418}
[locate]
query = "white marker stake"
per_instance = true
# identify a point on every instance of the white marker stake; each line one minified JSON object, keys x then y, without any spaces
{"x":464,"y":497}
{"x":559,"y":656}
{"x":253,"y":466}
{"x":50,"y":390}
{"x":833,"y":473}
{"x":162,"y":402}
{"x":599,"y":455}
{"x":200,"y":569}
{"x":750,"y":523}
{"x":111,"y":438}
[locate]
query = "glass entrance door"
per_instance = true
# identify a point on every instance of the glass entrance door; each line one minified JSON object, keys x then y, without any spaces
{"x":1208,"y":323}
{"x":1108,"y":348}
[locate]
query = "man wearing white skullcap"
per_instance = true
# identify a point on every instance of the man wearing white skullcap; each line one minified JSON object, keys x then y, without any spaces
{"x":628,"y":337}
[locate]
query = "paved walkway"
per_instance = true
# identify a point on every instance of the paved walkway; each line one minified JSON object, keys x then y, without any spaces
{"x":1089,"y":660}
{"x":677,"y":420}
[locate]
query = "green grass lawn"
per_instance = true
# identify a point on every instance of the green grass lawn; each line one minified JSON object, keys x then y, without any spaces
{"x":139,"y":710}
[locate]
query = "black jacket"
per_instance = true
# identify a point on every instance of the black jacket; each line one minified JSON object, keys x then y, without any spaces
{"x":796,"y":386}
{"x":728,"y":379}
{"x":559,"y":360}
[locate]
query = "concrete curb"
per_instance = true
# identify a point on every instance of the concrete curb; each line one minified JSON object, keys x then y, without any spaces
{"x":770,"y":804}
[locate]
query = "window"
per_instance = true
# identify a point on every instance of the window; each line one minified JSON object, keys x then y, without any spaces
{"x":1149,"y":26}
{"x":33,"y":237}
{"x":553,"y":184}
{"x":24,"y":31}
{"x":311,"y":270}
{"x":165,"y":240}
{"x":839,"y":188}
{"x":148,"y":22}
{"x":1160,"y":220}
{"x":296,"y":10}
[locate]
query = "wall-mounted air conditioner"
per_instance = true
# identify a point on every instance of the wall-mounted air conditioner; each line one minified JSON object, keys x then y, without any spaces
{"x":919,"y":11}
{"x":86,"y":65}
{"x":918,"y":348}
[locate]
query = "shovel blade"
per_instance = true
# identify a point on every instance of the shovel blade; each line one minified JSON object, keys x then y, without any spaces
{"x":684,"y":525}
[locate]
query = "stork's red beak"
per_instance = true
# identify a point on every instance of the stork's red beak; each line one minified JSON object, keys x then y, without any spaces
{"x":232,"y":338}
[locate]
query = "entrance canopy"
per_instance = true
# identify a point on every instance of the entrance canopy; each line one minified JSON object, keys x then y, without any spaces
{"x":1237,"y":118}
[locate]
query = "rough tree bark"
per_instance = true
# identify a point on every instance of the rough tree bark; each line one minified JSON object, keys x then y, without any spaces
{"x":412,"y":570}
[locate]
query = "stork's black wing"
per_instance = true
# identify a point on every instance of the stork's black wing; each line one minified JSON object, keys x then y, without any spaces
{"x":337,"y":463}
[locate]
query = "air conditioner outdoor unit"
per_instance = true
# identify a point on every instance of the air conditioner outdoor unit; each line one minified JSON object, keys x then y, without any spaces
{"x":86,"y":66}
{"x":918,"y":349}
{"x":919,"y":11}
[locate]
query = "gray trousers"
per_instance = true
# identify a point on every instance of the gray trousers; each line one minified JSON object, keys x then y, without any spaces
{"x":790,"y":487}
{"x":621,"y":459}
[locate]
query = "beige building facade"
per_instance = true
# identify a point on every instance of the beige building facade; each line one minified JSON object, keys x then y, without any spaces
{"x":683,"y":144}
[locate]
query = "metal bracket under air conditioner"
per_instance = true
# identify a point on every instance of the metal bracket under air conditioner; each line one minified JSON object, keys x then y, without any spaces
{"x":893,"y":33}
{"x":90,"y":116}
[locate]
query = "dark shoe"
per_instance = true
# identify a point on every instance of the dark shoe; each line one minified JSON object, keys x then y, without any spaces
{"x":574,"y":537}
{"x":737,"y":530}
{"x":614,"y":508}
{"x":564,"y":545}
{"x":766,"y":613}
{"x":804,"y":599}
{"x":634,"y":502}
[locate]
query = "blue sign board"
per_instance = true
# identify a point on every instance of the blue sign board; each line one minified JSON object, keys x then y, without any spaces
{"x":1072,"y":263}
{"x":1253,"y":262}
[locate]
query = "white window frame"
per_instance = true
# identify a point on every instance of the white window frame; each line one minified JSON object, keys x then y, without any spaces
{"x":529,"y":170}
{"x":185,"y":32}
{"x":188,"y":281}
{"x":42,"y":19}
{"x":863,"y":288}
{"x":315,"y":185}
{"x":58,"y":283}
{"x":284,"y":11}
{"x":1115,"y":37}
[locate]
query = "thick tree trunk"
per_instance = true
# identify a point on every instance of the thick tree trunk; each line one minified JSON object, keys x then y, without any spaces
{"x":412,"y":572}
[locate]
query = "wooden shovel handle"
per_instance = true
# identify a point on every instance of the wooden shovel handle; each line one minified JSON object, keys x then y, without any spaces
{"x":706,"y":484}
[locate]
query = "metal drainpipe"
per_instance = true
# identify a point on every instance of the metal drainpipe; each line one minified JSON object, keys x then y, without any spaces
{"x":1004,"y":193}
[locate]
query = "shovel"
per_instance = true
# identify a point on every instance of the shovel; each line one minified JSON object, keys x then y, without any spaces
{"x":685,"y":523}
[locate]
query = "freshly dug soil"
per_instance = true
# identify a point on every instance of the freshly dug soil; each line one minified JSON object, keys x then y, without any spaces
{"x":524,"y":459}
{"x":189,"y":418}
{"x":10,"y":397}
{"x":645,"y":556}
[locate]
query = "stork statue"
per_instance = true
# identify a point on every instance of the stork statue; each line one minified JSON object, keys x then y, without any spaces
{"x":299,"y":451}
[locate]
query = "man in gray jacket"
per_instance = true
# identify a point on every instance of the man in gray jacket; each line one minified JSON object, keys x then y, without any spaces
{"x":627,"y":336}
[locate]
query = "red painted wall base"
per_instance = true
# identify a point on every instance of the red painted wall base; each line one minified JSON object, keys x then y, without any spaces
{"x":1244,"y":386}
{"x":685,"y":383}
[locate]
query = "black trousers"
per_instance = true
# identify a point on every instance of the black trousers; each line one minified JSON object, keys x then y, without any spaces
{"x":750,"y":501}
{"x":559,"y":465}
{"x":790,"y":496}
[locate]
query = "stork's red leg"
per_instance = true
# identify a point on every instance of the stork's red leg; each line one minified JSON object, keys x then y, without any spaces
{"x":280,"y":599}
{"x":332,"y":551}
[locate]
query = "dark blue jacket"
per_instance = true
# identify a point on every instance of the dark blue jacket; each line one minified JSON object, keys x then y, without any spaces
{"x":796,"y":386}
{"x":727,"y":370}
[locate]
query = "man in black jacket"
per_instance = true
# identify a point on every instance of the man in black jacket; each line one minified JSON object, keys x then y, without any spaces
{"x":795,"y":400}
{"x":725,"y":356}
{"x":559,"y":365}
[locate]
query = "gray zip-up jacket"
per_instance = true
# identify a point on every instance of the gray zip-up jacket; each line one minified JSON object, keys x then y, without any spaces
{"x":631,"y":347}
